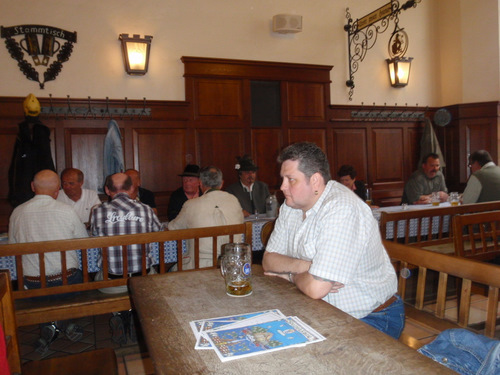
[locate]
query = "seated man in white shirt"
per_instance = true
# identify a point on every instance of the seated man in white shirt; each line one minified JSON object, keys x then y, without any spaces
{"x":82,"y":200}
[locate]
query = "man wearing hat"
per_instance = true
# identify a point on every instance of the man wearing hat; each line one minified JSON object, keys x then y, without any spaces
{"x":190,"y":189}
{"x":251,"y":193}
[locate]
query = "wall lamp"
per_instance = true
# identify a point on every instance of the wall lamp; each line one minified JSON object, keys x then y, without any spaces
{"x":399,"y":70}
{"x":136,"y":53}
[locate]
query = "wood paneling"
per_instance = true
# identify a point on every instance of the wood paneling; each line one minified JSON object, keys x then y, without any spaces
{"x":350,"y":147}
{"x":213,"y":127}
{"x":221,"y":99}
{"x":388,"y":155}
{"x":220,"y":147}
{"x":266,"y":146}
{"x":318,"y":136}
{"x":160,"y":155}
{"x":306,"y":101}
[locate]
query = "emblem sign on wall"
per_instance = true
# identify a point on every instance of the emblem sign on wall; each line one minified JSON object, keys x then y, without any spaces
{"x":42,"y":44}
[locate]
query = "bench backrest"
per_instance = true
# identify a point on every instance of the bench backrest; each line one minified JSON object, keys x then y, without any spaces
{"x":477,"y":236}
{"x":103,"y":243}
{"x":467,"y":270}
{"x":8,"y":322}
{"x":428,"y":220}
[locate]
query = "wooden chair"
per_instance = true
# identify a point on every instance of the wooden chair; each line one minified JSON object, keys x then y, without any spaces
{"x":477,"y":236}
{"x":467,"y":270}
{"x":101,"y":361}
{"x":267,"y":229}
{"x":434,"y":228}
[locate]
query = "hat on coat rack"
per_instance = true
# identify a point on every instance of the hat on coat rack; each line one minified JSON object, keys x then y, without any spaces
{"x":191,"y":170}
{"x":245,"y":163}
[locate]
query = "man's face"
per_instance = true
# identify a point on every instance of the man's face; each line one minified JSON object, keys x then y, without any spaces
{"x":190,"y":185}
{"x":431,"y":167}
{"x":298,"y":191}
{"x":248,"y":177}
{"x":136,"y":182}
{"x":71,"y":186}
{"x":348,"y":181}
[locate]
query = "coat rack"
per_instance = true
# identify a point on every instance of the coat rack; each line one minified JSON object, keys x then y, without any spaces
{"x":89,"y":111}
{"x":386,"y":114}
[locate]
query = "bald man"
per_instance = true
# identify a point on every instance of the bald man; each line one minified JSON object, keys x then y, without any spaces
{"x":72,"y":193}
{"x":43,"y":218}
{"x":139,"y":193}
{"x":123,"y":215}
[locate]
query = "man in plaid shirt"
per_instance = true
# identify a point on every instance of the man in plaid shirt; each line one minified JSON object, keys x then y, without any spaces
{"x":123,"y":215}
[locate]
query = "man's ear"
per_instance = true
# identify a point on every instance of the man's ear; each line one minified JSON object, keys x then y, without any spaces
{"x":32,"y":187}
{"x":315,"y":180}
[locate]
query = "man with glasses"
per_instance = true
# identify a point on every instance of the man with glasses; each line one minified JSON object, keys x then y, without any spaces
{"x":484,"y":183}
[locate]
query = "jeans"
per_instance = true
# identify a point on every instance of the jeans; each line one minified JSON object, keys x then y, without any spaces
{"x":390,"y":320}
{"x":75,"y":278}
{"x":465,"y":352}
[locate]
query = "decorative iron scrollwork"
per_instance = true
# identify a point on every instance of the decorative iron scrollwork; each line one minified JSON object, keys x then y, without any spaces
{"x":361,"y":38}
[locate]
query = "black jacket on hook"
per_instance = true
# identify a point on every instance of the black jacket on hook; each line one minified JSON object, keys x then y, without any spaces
{"x":31,"y":155}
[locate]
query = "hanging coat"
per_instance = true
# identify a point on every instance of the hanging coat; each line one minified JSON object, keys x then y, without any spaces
{"x":31,"y":155}
{"x":429,"y":143}
{"x":113,"y":150}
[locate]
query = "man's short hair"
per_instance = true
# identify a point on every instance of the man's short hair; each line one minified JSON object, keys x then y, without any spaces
{"x":127,"y":184}
{"x":431,"y":155}
{"x":310,"y":157}
{"x":79,"y":173}
{"x":347,"y":170}
{"x":481,"y":156}
{"x":211,"y":177}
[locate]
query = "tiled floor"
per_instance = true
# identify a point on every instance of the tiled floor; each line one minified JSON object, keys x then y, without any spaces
{"x":133,"y":358}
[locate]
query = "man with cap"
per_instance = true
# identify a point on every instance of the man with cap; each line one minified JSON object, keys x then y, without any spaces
{"x":190,"y":189}
{"x":251,"y":193}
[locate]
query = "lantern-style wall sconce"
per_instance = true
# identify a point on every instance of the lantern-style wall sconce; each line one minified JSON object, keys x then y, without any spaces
{"x":136,"y":53}
{"x":399,"y":71}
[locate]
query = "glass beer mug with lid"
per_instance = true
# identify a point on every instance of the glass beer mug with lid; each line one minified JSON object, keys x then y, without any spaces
{"x":236,"y":267}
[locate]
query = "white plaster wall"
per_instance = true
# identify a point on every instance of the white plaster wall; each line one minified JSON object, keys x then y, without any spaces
{"x":480,"y":52}
{"x":235,"y":29}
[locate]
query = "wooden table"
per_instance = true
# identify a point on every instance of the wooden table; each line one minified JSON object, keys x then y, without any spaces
{"x":167,"y":303}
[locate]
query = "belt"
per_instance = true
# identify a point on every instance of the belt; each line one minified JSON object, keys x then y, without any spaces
{"x":50,"y":278}
{"x":114,"y":276}
{"x":386,"y":304}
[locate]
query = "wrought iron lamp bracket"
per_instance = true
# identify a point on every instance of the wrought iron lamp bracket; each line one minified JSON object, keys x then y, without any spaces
{"x":362,"y":33}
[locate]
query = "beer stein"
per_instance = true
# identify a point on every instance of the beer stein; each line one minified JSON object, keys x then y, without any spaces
{"x":236,"y":268}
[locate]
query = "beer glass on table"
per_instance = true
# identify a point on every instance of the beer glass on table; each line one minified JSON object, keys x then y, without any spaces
{"x":236,"y":267}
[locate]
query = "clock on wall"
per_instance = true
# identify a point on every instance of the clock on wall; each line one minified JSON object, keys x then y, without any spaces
{"x":442,"y":117}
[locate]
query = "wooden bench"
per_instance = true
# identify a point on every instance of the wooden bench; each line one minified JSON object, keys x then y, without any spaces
{"x":427,"y":220}
{"x":89,"y":300}
{"x":467,"y":270}
{"x":100,"y":361}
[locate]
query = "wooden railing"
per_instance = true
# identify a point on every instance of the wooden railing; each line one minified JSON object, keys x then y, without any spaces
{"x":90,"y":301}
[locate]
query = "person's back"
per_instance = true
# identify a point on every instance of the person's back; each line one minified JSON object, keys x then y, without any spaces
{"x":123,"y":215}
{"x":213,"y":208}
{"x":43,"y":218}
{"x":484,"y":183}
